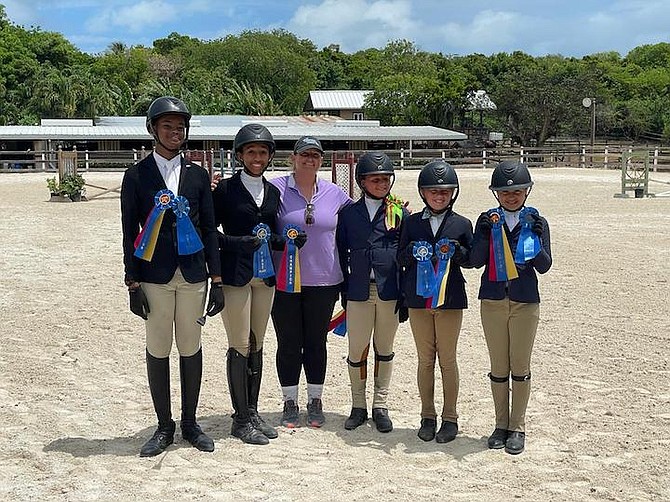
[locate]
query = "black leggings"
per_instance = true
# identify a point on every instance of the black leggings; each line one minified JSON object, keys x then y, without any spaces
{"x":301,"y":323}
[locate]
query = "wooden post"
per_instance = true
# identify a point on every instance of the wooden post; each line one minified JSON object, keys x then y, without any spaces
{"x":582,"y":158}
{"x":656,"y":159}
{"x":607,"y":151}
{"x":521,"y":155}
{"x":402,"y":158}
{"x":484,"y":158}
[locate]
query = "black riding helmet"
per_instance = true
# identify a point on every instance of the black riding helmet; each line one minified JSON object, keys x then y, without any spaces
{"x":374,"y":163}
{"x":163,"y":106}
{"x":510,"y":175}
{"x":441,"y":175}
{"x":253,"y":133}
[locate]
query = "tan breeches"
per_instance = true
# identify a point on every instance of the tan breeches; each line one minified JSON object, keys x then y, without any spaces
{"x":174,"y":308}
{"x":436,"y":334}
{"x":246,"y":314}
{"x":509,"y":329}
{"x":374,"y":319}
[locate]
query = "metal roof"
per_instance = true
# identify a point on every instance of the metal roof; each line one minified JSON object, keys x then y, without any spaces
{"x":337,"y":100}
{"x":224,"y":128}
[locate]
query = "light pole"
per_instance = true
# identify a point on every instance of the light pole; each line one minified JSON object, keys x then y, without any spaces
{"x":591,"y":103}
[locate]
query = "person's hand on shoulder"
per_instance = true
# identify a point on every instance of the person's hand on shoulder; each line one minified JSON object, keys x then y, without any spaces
{"x":216,"y":178}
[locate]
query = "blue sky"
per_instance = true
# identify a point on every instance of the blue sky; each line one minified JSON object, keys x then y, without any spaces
{"x":567,"y":27}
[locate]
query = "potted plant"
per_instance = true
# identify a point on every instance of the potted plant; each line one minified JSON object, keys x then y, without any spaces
{"x":70,"y":188}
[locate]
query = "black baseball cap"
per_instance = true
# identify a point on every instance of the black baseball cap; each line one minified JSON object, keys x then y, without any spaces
{"x":307,"y":143}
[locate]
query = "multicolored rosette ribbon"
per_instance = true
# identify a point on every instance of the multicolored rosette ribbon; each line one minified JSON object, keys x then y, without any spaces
{"x":444,"y":250}
{"x":393,"y":215}
{"x":425,"y":277}
{"x":188,"y":240}
{"x":501,"y":261}
{"x":529,"y":242}
{"x":262,"y":261}
{"x":288,"y":279}
{"x":145,"y":243}
{"x":338,"y":323}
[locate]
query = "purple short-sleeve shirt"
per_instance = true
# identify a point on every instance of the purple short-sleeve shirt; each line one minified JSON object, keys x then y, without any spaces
{"x":319,"y":261}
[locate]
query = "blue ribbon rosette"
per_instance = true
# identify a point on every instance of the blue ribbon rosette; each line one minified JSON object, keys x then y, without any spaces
{"x":262,"y":261}
{"x":425,"y":277}
{"x":188,"y":240}
{"x":528,"y":245}
{"x":444,"y":250}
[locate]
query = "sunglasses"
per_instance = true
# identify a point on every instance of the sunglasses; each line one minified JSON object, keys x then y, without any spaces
{"x":309,"y":214}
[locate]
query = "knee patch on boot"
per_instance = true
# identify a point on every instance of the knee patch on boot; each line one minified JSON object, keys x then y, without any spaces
{"x":522,"y":378}
{"x":500,"y":379}
{"x":362,"y":365}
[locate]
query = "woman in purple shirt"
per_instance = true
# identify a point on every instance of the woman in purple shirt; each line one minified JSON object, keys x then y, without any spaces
{"x":301,"y":319}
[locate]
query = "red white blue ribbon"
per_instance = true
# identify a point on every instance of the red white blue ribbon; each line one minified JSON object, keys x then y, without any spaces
{"x":444,"y":250}
{"x":501,"y":261}
{"x":288,"y":279}
{"x":145,"y":243}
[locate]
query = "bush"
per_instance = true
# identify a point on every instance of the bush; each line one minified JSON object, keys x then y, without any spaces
{"x":72,"y":186}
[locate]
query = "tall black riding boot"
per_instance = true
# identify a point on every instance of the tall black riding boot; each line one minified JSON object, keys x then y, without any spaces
{"x":190,"y":372}
{"x":255,"y":374}
{"x":238,"y":382}
{"x":158,"y":374}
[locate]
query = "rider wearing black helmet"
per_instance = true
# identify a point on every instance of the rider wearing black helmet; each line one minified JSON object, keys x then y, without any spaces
{"x":242,"y":203}
{"x":167,"y":105}
{"x":257,"y":134}
{"x":168,"y":285}
{"x":510,"y":304}
{"x":436,"y":319}
{"x":367,"y":240}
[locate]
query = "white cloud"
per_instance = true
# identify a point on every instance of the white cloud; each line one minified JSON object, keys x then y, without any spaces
{"x":489,"y":31}
{"x":146,"y":15}
{"x":354,"y":24}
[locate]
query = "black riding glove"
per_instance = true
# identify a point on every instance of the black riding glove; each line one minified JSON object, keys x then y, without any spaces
{"x":216,"y":302}
{"x":483,"y":225}
{"x":249,"y":243}
{"x":401,"y":310}
{"x":460,"y":253}
{"x":300,"y":240}
{"x":406,"y":255}
{"x":538,"y":225}
{"x":139,"y":305}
